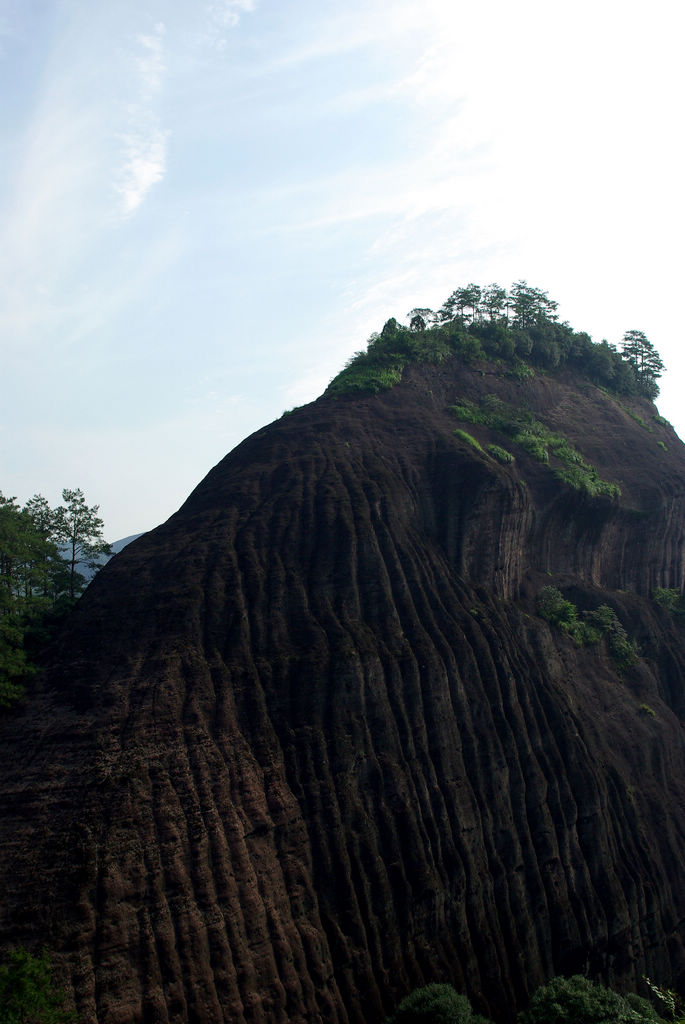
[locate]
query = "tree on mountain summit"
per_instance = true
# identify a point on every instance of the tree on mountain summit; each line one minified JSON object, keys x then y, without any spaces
{"x":645,"y":360}
{"x":469,"y":298}
{"x":531,"y":306}
{"x":420,"y":317}
{"x":458,"y":302}
{"x":495,"y":301}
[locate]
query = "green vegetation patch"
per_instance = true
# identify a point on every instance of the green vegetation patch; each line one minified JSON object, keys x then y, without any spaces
{"x":564,"y":451}
{"x":533,"y":443}
{"x":520,"y":371}
{"x":638,"y":419}
{"x":469,"y":439}
{"x":469,"y":412}
{"x":500,"y":454}
{"x":538,"y":441}
{"x":670,"y":599}
{"x":380,"y":366}
{"x":589,"y":629}
{"x":41,"y":550}
{"x":585,"y":478}
{"x":575,"y":1000}
{"x":434,"y":1004}
{"x":555,"y":609}
{"x":518,"y":328}
{"x":365,"y":377}
{"x":27,"y":993}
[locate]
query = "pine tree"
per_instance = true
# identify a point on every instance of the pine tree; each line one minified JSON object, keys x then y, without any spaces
{"x":79,"y":529}
{"x":645,"y":360}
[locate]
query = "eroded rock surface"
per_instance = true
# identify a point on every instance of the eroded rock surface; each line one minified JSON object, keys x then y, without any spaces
{"x":308,"y":744}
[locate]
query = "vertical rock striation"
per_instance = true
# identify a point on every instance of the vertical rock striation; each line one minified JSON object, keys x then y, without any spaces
{"x":308,"y":744}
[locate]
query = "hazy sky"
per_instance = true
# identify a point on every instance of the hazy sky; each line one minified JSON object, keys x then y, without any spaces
{"x":206,"y":207}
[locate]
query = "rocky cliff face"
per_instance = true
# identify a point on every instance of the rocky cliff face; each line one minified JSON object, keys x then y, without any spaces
{"x":309,"y":744}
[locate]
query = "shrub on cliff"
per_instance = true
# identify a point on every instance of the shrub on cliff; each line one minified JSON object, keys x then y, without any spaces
{"x":501,"y":454}
{"x":621,"y":648}
{"x":555,"y":609}
{"x":670,"y":599}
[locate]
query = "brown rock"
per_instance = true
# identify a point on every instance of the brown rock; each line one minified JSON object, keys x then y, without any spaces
{"x":308,"y":744}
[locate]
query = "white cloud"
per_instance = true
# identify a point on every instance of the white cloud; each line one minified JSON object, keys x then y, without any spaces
{"x":224,"y":15}
{"x":151,"y":65}
{"x":227,"y":12}
{"x":144,"y":143}
{"x":353,"y":27}
{"x":144,"y":165}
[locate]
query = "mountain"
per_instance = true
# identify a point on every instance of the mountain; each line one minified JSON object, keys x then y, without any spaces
{"x":380,"y":704}
{"x":119,"y":545}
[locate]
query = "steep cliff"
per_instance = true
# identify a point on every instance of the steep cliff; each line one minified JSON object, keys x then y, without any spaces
{"x":310,"y":743}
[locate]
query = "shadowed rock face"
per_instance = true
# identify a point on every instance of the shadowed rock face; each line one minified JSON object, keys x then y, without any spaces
{"x":308,"y":744}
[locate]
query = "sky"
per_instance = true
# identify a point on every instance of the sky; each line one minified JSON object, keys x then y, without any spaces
{"x":206,"y":206}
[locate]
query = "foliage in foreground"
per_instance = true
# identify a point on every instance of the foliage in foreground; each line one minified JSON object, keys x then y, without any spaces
{"x":579,"y":1001}
{"x":573,"y":1000}
{"x":27,"y":993}
{"x":40,"y":552}
{"x":434,"y":1004}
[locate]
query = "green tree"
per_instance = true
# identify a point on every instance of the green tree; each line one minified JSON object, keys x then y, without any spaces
{"x":531,"y":306}
{"x":601,"y":363}
{"x":458,"y":302}
{"x":47,"y":567}
{"x":420,"y":317}
{"x":25,"y":555}
{"x":42,"y":516}
{"x":37,"y":585}
{"x":645,"y":361}
{"x":495,"y":301}
{"x":579,"y":1001}
{"x":469,"y":298}
{"x":79,"y":529}
{"x":447,"y":311}
{"x":433,"y":1004}
{"x":27,"y":992}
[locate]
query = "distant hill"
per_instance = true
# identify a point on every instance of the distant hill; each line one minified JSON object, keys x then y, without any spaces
{"x":117,"y":546}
